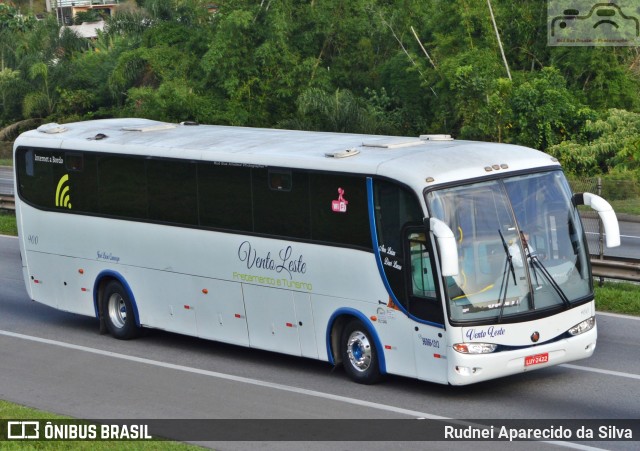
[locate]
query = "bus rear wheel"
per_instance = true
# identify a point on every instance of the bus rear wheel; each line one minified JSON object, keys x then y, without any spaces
{"x":359,"y":354}
{"x":118,"y":312}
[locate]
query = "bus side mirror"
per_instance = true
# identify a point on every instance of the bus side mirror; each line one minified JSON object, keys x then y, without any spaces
{"x":446,"y":244}
{"x":606,"y":213}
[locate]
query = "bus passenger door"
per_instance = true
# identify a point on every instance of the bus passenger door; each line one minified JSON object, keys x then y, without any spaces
{"x":430,"y":347}
{"x":431,"y":353}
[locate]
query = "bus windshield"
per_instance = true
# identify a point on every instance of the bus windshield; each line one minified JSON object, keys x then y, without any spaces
{"x":520,"y":244}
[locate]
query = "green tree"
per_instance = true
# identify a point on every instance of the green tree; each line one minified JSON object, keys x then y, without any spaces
{"x":601,"y":76}
{"x":611,"y":142}
{"x":40,"y":103}
{"x":12,"y":91}
{"x":403,"y":67}
{"x":335,"y":112}
{"x":84,"y":92}
{"x":545,"y":112}
{"x":173,"y":101}
{"x":252,"y":66}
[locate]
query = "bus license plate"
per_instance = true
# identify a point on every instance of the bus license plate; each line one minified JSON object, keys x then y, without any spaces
{"x":536,"y":359}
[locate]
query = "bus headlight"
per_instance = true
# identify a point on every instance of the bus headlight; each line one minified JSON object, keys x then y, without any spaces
{"x":475,"y":348}
{"x":583,"y":327}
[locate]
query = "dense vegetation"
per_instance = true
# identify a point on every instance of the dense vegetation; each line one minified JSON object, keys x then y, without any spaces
{"x":375,"y":66}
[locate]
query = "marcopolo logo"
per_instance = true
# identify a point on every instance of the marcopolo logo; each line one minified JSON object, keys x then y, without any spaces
{"x":590,"y":23}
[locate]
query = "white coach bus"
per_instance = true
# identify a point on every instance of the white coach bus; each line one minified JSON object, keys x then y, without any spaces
{"x":448,"y":261}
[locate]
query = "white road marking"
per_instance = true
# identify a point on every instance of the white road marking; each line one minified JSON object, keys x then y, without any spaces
{"x":621,"y":236}
{"x":619,"y":315}
{"x":598,"y":370}
{"x":230,"y":377}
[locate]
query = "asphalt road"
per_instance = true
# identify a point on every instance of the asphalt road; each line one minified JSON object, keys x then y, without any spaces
{"x":629,"y":239}
{"x":58,"y":362}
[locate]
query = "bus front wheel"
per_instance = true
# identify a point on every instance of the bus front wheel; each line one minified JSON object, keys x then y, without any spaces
{"x":359,"y":354}
{"x":118,"y":312}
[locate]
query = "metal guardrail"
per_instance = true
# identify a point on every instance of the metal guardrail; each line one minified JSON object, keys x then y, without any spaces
{"x":7,"y":203}
{"x":616,"y":268}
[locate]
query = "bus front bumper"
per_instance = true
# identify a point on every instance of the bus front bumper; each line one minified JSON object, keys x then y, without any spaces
{"x":467,"y":369}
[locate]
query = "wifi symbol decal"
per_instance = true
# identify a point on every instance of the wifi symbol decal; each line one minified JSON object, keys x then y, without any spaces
{"x":62,"y":193}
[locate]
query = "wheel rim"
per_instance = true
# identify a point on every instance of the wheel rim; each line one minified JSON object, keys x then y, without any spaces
{"x":359,"y":351}
{"x":117,"y":310}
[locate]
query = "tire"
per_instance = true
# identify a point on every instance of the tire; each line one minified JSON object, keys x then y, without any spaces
{"x":359,"y":354}
{"x":118,"y":312}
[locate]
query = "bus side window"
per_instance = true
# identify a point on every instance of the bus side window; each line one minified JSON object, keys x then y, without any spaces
{"x":349,"y":226}
{"x":224,"y":197}
{"x":38,"y":175}
{"x":118,"y":176}
{"x":173,"y":191}
{"x":74,"y":161}
{"x":28,"y":156}
{"x":281,"y":203}
{"x":423,"y":299}
{"x":396,"y":208}
{"x":280,"y":180}
{"x":422,"y":282}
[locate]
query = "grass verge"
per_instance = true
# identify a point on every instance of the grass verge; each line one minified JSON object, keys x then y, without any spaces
{"x":8,"y":224}
{"x":618,"y":297}
{"x":628,"y":206}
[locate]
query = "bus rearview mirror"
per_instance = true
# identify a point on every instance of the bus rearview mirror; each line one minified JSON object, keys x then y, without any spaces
{"x":446,"y":245}
{"x":606,"y":213}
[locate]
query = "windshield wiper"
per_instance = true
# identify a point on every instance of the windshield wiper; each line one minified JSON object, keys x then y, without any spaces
{"x":536,"y":263}
{"x":508,"y":266}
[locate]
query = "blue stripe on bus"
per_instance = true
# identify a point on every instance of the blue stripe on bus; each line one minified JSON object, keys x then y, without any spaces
{"x":376,"y":252}
{"x":125,"y":285}
{"x":367,"y":324}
